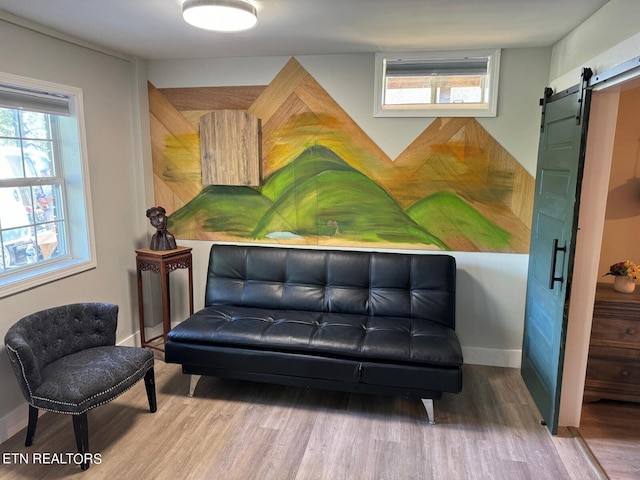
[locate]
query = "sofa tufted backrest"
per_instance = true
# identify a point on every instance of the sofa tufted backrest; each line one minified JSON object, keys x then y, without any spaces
{"x":366,"y":283}
{"x":41,"y":338}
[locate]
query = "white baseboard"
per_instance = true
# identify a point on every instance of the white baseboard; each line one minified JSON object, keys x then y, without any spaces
{"x":132,"y":340}
{"x":492,"y":357}
{"x":13,"y":422}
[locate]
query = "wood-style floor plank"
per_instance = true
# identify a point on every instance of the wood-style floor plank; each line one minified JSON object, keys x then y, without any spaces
{"x":242,"y":430}
{"x":611,"y":430}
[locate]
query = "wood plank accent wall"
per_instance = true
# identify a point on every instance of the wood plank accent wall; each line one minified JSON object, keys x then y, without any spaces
{"x":452,"y":156}
{"x":175,"y":150}
{"x":230,"y":148}
{"x":212,"y":98}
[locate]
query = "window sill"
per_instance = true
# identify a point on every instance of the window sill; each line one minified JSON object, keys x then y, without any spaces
{"x":436,"y":111}
{"x":28,"y":279}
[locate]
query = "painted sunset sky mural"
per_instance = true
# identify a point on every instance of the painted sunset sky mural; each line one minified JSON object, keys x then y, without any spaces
{"x":325,"y":182}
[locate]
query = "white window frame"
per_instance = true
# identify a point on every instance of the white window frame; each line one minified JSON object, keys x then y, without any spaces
{"x":81,"y":254}
{"x":437,"y":110}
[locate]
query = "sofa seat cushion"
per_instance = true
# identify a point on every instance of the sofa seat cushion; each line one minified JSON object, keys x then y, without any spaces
{"x":359,"y":337}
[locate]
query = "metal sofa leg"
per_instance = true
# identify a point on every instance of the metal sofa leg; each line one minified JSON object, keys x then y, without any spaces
{"x":81,"y":429}
{"x":150,"y":385}
{"x":31,"y":428}
{"x":428,"y":405}
{"x":193,"y":383}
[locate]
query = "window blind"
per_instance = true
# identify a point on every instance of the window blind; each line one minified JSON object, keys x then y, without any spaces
{"x":34,"y":101}
{"x":439,"y":67}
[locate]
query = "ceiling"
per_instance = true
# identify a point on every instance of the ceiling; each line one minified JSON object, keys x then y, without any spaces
{"x":154,"y":29}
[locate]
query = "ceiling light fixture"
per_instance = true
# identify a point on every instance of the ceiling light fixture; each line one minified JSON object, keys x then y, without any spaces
{"x":220,"y":15}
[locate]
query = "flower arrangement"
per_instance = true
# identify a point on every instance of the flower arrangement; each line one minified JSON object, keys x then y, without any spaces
{"x":625,"y":269}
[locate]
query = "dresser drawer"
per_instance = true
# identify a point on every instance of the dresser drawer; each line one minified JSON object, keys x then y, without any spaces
{"x":613,"y":367}
{"x":613,"y":372}
{"x":616,"y":331}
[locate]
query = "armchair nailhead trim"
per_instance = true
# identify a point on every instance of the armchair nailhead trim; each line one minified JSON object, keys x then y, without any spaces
{"x":15,"y":352}
{"x":148,"y":364}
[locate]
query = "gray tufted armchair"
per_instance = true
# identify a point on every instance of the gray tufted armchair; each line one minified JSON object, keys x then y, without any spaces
{"x":66,"y":361}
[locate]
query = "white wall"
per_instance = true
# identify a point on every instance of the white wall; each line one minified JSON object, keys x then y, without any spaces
{"x":110,"y":99}
{"x":622,"y":218}
{"x":491,"y":287}
{"x":606,"y":39}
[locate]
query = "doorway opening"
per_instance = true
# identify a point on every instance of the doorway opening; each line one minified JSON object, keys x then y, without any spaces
{"x":609,"y":226}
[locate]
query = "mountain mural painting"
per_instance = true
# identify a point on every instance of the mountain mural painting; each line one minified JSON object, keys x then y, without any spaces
{"x":318,"y":196}
{"x":326,"y":182}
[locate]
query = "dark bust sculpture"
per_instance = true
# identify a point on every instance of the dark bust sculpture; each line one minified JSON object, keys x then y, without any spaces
{"x":162,"y":239}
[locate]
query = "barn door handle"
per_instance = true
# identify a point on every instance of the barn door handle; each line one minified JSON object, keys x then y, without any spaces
{"x":554,"y":260}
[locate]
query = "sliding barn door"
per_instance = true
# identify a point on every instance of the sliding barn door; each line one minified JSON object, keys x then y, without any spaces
{"x":553,"y":233}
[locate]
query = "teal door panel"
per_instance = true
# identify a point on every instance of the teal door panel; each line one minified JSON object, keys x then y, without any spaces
{"x":553,"y":229}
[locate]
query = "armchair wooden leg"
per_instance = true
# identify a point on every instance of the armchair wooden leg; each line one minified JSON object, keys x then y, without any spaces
{"x":81,"y":429}
{"x":31,"y":428}
{"x":150,"y":385}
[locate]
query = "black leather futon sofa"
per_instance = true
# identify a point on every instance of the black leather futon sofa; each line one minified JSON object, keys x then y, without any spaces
{"x":379,"y":323}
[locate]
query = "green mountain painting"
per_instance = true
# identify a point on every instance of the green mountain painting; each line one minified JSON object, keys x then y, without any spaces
{"x":320,"y":197}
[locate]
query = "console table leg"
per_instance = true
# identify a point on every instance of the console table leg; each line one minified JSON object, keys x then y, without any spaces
{"x":143,"y":340}
{"x":192,"y":384}
{"x":166,"y":303}
{"x":428,"y":405}
{"x":190,"y":271}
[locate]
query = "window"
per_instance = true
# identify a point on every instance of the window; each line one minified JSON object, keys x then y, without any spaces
{"x":45,"y":223}
{"x":437,"y":84}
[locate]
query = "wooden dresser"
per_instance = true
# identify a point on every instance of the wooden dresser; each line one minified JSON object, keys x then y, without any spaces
{"x":613,"y":368}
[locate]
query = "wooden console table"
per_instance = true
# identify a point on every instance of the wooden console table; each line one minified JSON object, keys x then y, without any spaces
{"x":162,"y":262}
{"x":613,"y":367}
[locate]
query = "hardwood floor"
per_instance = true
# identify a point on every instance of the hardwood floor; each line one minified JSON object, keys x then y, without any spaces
{"x":611,"y":430}
{"x":240,"y":430}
